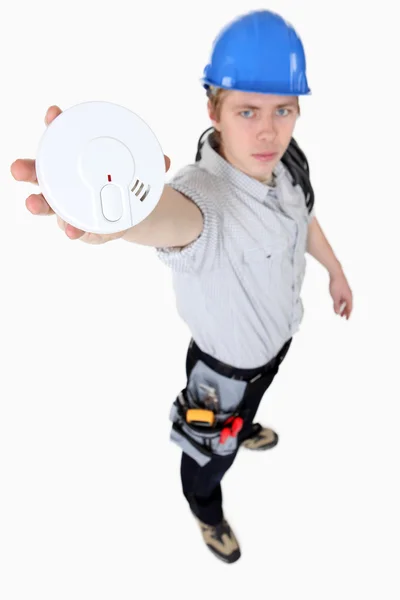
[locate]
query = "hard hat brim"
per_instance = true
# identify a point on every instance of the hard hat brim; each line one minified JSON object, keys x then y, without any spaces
{"x":278,"y":91}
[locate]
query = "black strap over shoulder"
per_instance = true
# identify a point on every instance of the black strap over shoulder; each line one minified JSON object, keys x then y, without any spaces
{"x":201,"y":141}
{"x":294,"y":160}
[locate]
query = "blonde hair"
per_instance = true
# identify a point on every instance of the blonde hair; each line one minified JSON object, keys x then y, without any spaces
{"x":216,"y":96}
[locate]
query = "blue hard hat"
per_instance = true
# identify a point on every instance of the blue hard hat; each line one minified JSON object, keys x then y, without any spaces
{"x":258,"y":52}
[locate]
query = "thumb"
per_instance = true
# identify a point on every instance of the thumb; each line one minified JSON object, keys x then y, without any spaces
{"x":51,"y":114}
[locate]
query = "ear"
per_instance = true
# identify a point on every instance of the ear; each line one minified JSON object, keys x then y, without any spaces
{"x":212,"y":116}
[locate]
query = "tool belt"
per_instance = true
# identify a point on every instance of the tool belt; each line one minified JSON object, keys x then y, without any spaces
{"x":201,"y":435}
{"x":208,"y":414}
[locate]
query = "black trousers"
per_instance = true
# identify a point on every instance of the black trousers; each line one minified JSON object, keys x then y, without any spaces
{"x":202,"y":485}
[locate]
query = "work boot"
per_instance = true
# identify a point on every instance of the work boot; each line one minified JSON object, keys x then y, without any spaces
{"x":221,"y":540}
{"x":261,"y":438}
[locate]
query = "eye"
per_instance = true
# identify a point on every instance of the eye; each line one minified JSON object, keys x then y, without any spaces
{"x":246,"y":111}
{"x":283,"y":109}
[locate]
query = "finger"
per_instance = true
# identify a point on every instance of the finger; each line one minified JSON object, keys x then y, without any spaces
{"x":23,"y":169}
{"x":349,"y":306}
{"x":73,"y":233}
{"x":37,"y":205}
{"x":167,"y":162}
{"x":347,"y":311}
{"x":52,"y":113}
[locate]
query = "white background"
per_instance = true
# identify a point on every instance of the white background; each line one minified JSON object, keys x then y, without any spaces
{"x":93,"y":350}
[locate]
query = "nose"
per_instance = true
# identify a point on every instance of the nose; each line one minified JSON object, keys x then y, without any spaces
{"x":267,"y":130}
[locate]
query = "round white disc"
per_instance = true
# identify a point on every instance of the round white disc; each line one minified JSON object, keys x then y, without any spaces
{"x":100,"y":167}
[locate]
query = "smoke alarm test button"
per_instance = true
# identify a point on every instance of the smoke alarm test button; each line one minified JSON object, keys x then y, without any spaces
{"x":111,"y":202}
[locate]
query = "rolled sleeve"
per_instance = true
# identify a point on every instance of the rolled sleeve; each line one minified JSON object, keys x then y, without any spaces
{"x":200,"y":254}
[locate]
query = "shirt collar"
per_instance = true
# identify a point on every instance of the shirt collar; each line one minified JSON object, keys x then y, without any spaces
{"x":216,"y":164}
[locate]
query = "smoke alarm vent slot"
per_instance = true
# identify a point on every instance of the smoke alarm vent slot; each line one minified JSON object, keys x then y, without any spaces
{"x":140,"y":189}
{"x":147,"y":192}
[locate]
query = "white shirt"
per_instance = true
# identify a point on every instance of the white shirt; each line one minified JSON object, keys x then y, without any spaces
{"x":238,"y":284}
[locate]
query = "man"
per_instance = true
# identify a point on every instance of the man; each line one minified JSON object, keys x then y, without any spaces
{"x":234,"y":227}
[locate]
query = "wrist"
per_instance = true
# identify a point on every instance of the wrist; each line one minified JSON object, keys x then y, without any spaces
{"x":335,"y":270}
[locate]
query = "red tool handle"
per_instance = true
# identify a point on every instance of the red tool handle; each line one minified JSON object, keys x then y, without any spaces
{"x":225,"y":433}
{"x":236,"y":426}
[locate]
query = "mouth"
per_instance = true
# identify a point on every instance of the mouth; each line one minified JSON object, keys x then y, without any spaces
{"x":265,"y":156}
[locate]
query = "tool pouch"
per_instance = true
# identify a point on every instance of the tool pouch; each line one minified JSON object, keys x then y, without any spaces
{"x":202,"y":442}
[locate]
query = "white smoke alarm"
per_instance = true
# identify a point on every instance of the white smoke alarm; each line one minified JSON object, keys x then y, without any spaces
{"x":100,"y":167}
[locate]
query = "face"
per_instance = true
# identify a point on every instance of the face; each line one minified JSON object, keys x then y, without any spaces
{"x":255,"y":130}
